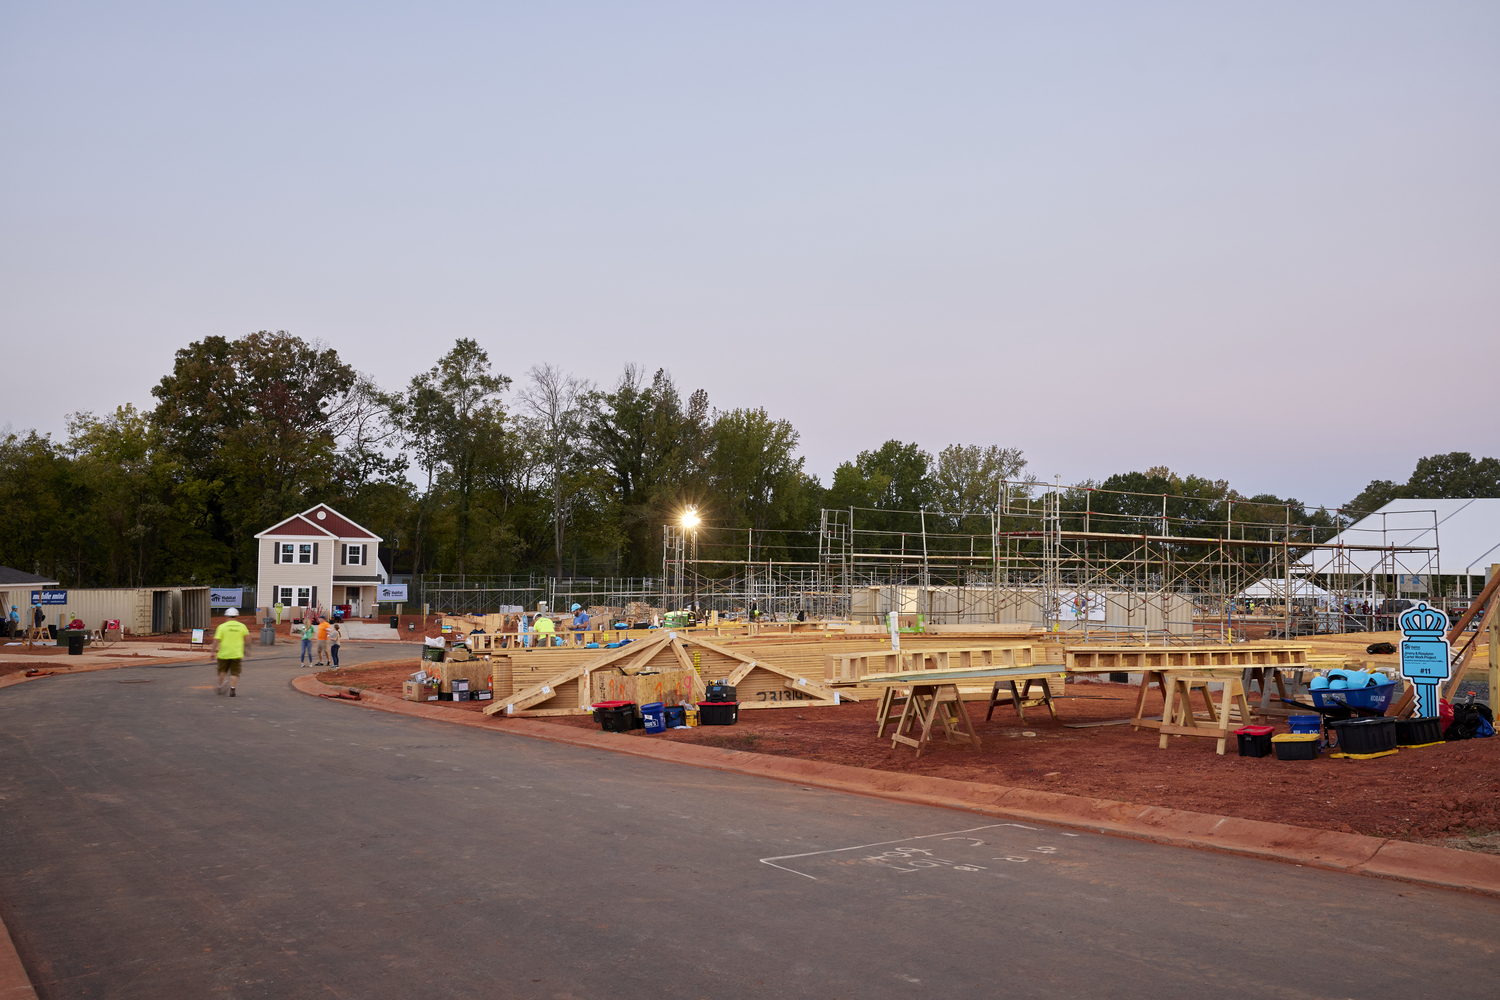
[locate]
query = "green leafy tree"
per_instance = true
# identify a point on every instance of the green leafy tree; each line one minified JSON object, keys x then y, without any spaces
{"x":451,"y":417}
{"x":35,"y":495}
{"x":1455,"y":475}
{"x":757,"y":477}
{"x":252,"y":415}
{"x":654,"y":448}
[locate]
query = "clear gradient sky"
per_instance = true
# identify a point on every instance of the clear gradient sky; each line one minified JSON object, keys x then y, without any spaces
{"x":1255,"y":241}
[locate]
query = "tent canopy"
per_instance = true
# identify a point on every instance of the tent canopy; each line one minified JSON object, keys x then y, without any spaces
{"x":1453,"y":538}
{"x":1267,"y":589}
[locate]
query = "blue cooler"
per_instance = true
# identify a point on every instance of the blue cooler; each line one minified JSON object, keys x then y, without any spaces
{"x":676,"y":716}
{"x":654,"y":715}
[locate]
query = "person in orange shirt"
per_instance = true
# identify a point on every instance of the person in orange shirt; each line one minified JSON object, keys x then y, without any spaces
{"x":323,"y":658}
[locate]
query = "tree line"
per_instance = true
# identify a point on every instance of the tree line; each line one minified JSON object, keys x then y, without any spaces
{"x":466,"y":471}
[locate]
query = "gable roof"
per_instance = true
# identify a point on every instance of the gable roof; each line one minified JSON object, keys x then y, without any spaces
{"x":1461,"y":536}
{"x":336,"y":523}
{"x":16,"y":578}
{"x":296,"y":525}
{"x":320,"y":521}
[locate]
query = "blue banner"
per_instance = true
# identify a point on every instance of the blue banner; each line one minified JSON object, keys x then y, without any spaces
{"x":49,"y":597}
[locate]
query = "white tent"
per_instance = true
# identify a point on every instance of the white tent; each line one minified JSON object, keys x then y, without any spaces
{"x":1268,"y":589}
{"x":1442,"y":537}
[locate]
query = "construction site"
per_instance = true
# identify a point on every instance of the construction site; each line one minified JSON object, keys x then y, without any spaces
{"x":1050,"y":643}
{"x":1089,"y":562}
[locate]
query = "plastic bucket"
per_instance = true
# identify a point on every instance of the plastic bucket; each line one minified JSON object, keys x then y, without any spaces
{"x":654,"y":715}
{"x":1305,"y":723}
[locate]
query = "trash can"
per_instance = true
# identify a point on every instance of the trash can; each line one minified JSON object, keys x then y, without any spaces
{"x":75,"y":642}
{"x":395,"y":621}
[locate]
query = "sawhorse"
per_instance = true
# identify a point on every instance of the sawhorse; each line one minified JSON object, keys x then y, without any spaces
{"x":1019,"y":698}
{"x":1177,"y":711}
{"x":929,"y":703}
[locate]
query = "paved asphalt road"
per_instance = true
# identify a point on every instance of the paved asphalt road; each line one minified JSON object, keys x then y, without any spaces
{"x":158,"y":841}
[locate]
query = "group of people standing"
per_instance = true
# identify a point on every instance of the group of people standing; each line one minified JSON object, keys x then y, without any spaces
{"x":327,"y":635}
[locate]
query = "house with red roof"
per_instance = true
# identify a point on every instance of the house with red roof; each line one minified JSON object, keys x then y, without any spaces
{"x":319,"y":559}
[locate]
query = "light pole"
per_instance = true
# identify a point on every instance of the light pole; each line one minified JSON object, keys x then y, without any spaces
{"x":690,"y":522}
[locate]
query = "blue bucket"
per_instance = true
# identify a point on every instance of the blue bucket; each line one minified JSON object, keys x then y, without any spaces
{"x":1306,"y":723}
{"x":654,"y":715}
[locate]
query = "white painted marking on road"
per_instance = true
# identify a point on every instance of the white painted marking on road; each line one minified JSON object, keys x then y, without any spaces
{"x":860,"y":847}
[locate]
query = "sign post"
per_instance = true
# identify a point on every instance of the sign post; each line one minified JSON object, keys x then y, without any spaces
{"x":1426,"y":659}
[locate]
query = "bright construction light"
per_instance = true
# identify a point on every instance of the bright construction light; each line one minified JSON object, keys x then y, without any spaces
{"x":690,"y":519}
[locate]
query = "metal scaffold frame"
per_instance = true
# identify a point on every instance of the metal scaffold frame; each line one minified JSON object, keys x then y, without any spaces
{"x":1054,"y":558}
{"x":1078,"y":559}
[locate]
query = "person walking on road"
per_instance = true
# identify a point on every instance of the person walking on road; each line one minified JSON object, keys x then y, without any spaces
{"x":322,"y":644}
{"x":230,"y":650}
{"x":307,"y":641}
{"x":334,"y":635}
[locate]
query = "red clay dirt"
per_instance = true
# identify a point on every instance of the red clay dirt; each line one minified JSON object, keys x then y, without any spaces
{"x":1441,"y":794}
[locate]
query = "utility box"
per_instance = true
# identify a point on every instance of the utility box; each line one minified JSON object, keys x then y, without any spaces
{"x":267,"y":635}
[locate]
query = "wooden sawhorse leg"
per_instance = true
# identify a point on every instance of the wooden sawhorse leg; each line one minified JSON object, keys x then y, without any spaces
{"x":1137,"y":721}
{"x":928,"y":704}
{"x":886,"y":713}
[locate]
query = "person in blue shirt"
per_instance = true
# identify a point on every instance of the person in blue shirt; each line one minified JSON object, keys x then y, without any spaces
{"x":580,"y":619}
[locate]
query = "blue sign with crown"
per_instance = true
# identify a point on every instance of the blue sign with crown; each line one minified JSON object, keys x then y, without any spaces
{"x":1425,"y":656}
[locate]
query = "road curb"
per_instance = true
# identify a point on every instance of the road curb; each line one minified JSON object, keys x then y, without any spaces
{"x":15,"y":984}
{"x":1350,"y":852}
{"x":63,"y":670}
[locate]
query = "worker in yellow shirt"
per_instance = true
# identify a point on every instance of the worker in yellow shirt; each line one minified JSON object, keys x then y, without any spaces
{"x":230,"y":650}
{"x":545,"y":629}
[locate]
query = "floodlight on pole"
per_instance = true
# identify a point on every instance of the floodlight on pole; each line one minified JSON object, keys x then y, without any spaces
{"x":690,"y":518}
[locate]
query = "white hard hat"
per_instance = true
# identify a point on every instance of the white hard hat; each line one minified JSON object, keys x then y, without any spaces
{"x":231,"y":612}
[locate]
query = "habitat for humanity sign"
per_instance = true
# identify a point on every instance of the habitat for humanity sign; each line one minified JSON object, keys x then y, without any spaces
{"x":49,"y":597}
{"x":391,"y":593}
{"x":225,"y":597}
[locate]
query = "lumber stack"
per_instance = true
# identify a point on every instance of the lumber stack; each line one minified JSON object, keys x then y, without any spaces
{"x":1136,"y":659}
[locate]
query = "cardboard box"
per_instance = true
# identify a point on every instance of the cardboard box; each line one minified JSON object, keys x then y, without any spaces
{"x":413,"y":691}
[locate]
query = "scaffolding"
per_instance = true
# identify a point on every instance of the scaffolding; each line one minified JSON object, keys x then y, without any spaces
{"x":713,"y":578}
{"x":1087,"y":560}
{"x":1070,"y":559}
{"x":487,"y":595}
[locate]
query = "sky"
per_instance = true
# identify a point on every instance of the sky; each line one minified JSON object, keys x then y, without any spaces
{"x":1251,"y":241}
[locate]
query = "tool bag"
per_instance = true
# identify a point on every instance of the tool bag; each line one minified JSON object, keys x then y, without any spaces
{"x":1471,"y":719}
